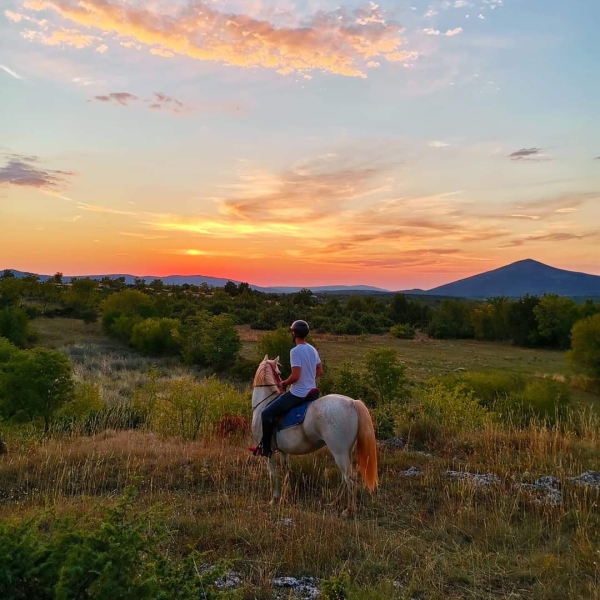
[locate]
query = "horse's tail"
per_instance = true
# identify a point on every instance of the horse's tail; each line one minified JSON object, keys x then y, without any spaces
{"x":366,"y":446}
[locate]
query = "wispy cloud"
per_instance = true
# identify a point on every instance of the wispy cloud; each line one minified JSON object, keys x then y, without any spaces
{"x":104,"y":209}
{"x":161,"y":101}
{"x":559,"y":236}
{"x":26,"y":171}
{"x":143,"y":236}
{"x":438,"y":144}
{"x":10,"y":72}
{"x":340,"y":41}
{"x":534,"y":154}
{"x":449,"y":32}
{"x":60,"y":37}
{"x":121,"y":98}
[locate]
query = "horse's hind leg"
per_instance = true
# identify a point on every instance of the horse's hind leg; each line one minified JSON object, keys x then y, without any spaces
{"x":344,"y":463}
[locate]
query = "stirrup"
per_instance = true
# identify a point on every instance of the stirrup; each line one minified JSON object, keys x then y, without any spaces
{"x":258,"y":451}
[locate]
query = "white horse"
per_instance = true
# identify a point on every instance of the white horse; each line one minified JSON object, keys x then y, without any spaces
{"x":334,"y":421}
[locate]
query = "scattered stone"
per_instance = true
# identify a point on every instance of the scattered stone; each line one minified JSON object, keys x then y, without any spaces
{"x":411,"y":472}
{"x":478,"y":479}
{"x":591,"y":478}
{"x":548,"y":486}
{"x":287,"y":522}
{"x":304,"y":588}
{"x":396,"y":442}
{"x":229,"y":581}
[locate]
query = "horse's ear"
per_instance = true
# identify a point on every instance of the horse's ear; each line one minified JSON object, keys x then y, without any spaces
{"x":276,"y":360}
{"x":266,"y":357}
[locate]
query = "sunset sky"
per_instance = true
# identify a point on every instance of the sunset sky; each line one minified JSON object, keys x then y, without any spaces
{"x":399,"y":144}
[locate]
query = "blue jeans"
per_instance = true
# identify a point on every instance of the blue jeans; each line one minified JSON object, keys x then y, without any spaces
{"x":275,"y":409}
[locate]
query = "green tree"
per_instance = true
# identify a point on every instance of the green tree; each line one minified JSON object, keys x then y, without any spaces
{"x":556,"y":316}
{"x":131,"y":304}
{"x":274,"y":344}
{"x":37,"y":382}
{"x":522,"y":323}
{"x":211,"y":341}
{"x":585,"y":346}
{"x":386,"y":376}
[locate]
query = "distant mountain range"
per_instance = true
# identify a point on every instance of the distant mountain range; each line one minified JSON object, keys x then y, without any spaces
{"x":212,"y":282}
{"x":514,"y":280}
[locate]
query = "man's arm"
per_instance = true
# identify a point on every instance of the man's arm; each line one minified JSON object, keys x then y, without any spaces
{"x":293,"y":377}
{"x":319,"y":371}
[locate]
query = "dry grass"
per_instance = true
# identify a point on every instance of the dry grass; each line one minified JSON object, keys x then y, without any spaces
{"x":435,"y":537}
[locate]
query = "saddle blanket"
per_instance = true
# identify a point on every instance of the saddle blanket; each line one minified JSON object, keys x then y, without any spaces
{"x":294,"y":416}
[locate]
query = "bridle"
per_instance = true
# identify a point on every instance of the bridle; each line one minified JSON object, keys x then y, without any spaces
{"x":278,"y":379}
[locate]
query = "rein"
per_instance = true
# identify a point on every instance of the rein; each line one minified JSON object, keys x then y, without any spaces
{"x":278,"y":378}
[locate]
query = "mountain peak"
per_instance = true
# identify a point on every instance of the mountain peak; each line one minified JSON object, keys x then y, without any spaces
{"x":520,"y":278}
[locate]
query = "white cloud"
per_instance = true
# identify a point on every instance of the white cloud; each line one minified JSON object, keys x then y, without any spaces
{"x":449,"y":33}
{"x":10,"y":72}
{"x":102,"y":49}
{"x":430,"y":13}
{"x":438,"y":144}
{"x":461,"y":4}
{"x":481,"y":17}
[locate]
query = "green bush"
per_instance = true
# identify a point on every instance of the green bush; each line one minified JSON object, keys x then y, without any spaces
{"x":14,"y":326}
{"x":543,"y":400}
{"x":123,"y":553}
{"x":278,"y":343}
{"x":211,"y":341}
{"x":188,"y":408}
{"x":490,"y":388}
{"x":335,"y":587}
{"x":86,"y":400}
{"x":36,"y":382}
{"x":385,"y":377}
{"x":157,"y":337}
{"x":585,"y":346}
{"x":403,"y":332}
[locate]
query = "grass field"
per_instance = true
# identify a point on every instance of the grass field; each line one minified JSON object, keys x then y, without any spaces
{"x":423,"y":536}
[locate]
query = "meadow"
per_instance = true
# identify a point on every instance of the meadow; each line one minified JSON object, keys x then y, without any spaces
{"x":432,"y":530}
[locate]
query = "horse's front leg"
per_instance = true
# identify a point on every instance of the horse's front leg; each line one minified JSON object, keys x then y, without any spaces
{"x":275,"y":495}
{"x":286,"y":476}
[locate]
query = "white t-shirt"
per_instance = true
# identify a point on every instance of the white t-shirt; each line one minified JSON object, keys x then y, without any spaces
{"x":307,"y":358}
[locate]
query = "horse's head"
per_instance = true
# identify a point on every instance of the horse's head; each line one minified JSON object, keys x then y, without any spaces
{"x":268,"y":372}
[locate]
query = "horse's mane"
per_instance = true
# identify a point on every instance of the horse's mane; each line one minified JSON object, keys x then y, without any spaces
{"x":265,"y":374}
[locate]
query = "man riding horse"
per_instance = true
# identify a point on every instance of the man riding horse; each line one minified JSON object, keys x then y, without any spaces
{"x":306,"y":367}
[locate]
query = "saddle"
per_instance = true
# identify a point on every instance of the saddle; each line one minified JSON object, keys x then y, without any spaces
{"x":296,"y":415}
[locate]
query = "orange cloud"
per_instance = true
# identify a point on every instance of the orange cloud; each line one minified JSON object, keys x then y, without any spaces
{"x":339,"y":42}
{"x":60,"y":37}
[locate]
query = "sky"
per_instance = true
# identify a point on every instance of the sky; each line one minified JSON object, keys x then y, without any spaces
{"x":399,"y":144}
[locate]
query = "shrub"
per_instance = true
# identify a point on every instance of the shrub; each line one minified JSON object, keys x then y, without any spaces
{"x":403,"y":332}
{"x":211,"y":341}
{"x":585,"y":346}
{"x":349,"y":381}
{"x":123,"y":553}
{"x":188,"y":408}
{"x":157,"y":337}
{"x":14,"y":326}
{"x":37,"y":382}
{"x":544,"y":399}
{"x":335,"y":587}
{"x":86,"y":400}
{"x":231,"y":425}
{"x":385,"y":376}
{"x":491,"y":388}
{"x":278,"y":343}
{"x":438,"y":409}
